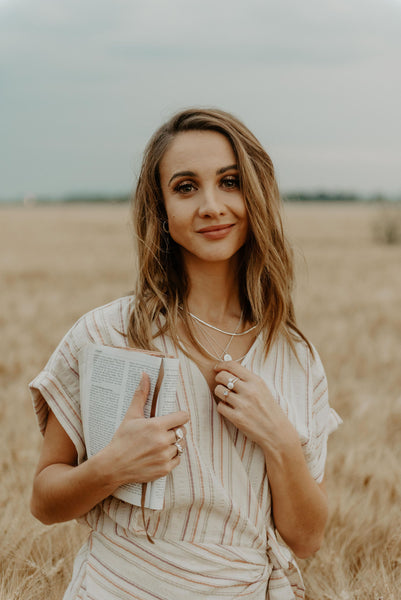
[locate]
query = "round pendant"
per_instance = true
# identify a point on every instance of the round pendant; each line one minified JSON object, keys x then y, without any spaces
{"x":227,"y":357}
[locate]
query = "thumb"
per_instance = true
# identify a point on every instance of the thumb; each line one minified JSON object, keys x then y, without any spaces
{"x":135,"y":410}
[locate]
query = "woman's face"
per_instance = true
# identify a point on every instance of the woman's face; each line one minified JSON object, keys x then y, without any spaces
{"x":205,"y":208}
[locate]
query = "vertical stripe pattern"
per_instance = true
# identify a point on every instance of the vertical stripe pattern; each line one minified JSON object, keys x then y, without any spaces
{"x":215,"y":536}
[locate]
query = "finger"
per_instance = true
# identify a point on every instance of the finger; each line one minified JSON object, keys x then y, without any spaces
{"x":227,"y":411}
{"x":175,"y":461}
{"x":174,"y":448}
{"x":173,"y":434}
{"x":172,"y":420}
{"x":234,"y":368}
{"x":135,"y":410}
{"x":224,"y":377}
{"x":226,"y":395}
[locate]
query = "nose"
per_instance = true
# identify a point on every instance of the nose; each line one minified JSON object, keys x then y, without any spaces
{"x":210,"y":203}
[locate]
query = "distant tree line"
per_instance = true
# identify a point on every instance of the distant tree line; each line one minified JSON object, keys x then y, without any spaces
{"x":289,"y":197}
{"x":98,"y":198}
{"x":322,"y":197}
{"x":297,"y":196}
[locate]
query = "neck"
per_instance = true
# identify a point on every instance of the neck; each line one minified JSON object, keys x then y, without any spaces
{"x":213,"y":292}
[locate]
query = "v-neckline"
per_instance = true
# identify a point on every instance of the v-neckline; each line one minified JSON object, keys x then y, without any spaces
{"x":180,"y":354}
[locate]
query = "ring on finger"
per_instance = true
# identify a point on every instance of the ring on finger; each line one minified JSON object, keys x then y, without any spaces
{"x":180,"y":449}
{"x":231,"y":382}
{"x":179,"y":434}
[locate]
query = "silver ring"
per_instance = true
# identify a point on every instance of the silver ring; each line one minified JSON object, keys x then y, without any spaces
{"x":225,"y":393}
{"x":180,"y":449}
{"x":179,"y":434}
{"x":231,"y":382}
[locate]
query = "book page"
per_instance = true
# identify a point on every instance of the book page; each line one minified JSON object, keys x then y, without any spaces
{"x":168,"y":387}
{"x":108,"y":379}
{"x":166,"y":404}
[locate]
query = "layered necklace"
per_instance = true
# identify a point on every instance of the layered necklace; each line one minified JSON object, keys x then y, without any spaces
{"x":219,"y":353}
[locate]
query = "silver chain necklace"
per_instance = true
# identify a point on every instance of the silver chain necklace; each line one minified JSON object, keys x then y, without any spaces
{"x":224,"y":355}
{"x":234,"y":334}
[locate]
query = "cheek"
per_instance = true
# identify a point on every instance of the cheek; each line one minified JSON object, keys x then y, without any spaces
{"x":174,"y":212}
{"x":177,"y":226}
{"x":174,"y":220}
{"x":241,"y":208}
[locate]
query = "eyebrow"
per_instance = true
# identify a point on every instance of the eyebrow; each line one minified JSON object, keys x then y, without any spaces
{"x":192,"y":174}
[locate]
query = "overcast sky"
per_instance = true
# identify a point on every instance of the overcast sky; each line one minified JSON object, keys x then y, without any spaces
{"x":84,"y":83}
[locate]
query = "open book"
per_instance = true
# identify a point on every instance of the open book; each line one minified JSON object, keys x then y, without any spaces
{"x":108,"y":379}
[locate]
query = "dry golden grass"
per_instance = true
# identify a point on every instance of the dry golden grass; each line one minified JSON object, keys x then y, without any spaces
{"x":58,"y":262}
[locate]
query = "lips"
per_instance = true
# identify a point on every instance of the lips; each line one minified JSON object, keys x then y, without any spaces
{"x":216,"y":232}
{"x":213,"y":228}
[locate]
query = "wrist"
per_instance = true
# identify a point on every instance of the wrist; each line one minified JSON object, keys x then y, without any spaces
{"x":283,"y":449}
{"x":103,"y":473}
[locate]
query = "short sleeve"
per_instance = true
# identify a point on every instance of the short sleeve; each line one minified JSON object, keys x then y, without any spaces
{"x":323,"y":419}
{"x":57,"y":388}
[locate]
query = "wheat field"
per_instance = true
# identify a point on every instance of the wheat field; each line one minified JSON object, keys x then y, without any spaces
{"x":57,"y":262}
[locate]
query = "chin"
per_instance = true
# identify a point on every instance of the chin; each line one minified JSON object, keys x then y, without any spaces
{"x":212,"y":255}
{"x":215,"y":259}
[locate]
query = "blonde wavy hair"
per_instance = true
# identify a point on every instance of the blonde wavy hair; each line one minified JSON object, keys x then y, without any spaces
{"x":266,"y":271}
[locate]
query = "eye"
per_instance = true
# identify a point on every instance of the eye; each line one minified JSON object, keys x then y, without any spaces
{"x":185,"y":187}
{"x":230,"y":182}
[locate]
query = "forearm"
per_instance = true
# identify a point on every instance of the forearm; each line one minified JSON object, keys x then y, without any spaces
{"x":299,"y":504}
{"x":62,"y":492}
{"x":141,"y":450}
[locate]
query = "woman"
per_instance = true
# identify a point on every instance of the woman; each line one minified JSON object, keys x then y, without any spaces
{"x":214,"y":288}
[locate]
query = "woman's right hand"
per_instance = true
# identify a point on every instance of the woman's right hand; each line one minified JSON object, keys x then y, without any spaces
{"x":143,"y":449}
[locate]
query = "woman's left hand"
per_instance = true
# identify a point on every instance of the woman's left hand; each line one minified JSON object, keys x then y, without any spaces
{"x":250,"y":406}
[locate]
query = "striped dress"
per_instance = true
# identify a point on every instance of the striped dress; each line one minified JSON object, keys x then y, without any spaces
{"x":215,"y":537}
